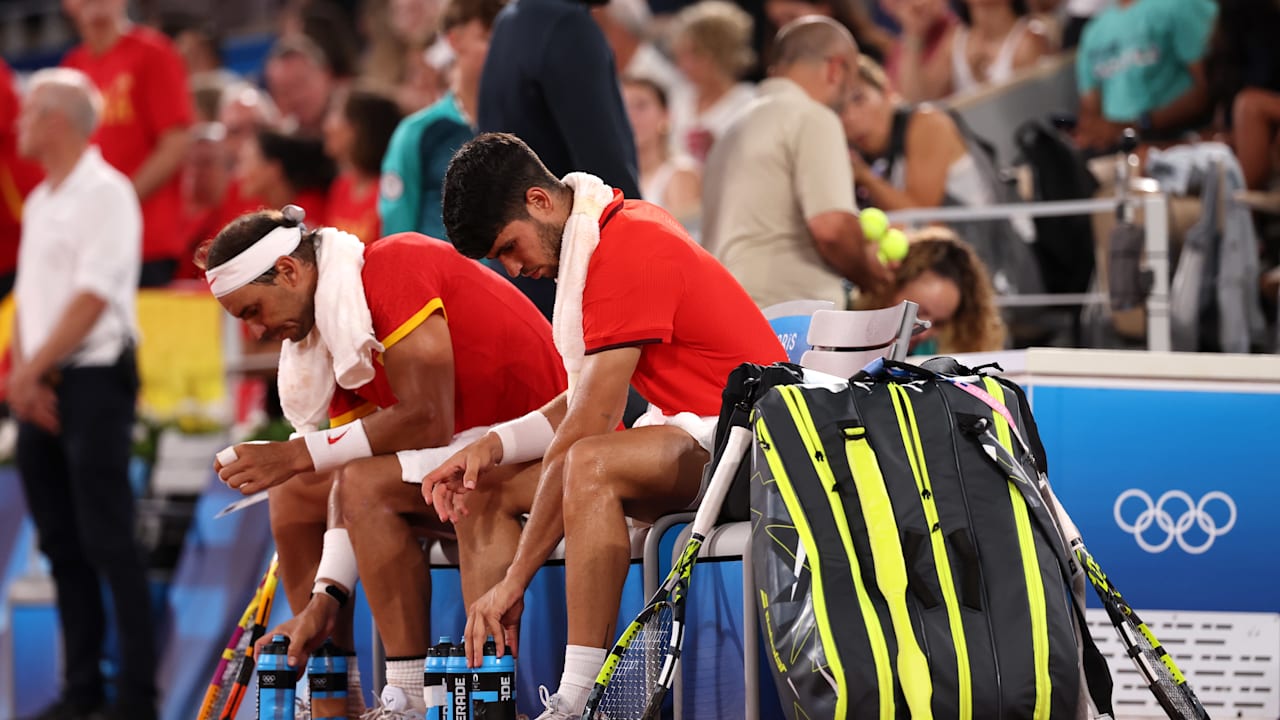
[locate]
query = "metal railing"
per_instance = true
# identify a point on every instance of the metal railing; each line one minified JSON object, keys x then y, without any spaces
{"x":1155,"y":249}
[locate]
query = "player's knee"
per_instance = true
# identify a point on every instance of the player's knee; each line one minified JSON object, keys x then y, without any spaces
{"x":584,"y":471}
{"x":356,"y":491}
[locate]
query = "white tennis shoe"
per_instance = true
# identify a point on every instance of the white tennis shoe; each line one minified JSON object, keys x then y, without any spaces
{"x":393,"y":705}
{"x":556,"y":709}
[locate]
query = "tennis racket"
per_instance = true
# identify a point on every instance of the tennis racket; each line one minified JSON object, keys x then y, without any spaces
{"x":235,"y":667}
{"x":1163,"y":676}
{"x":642,"y":665}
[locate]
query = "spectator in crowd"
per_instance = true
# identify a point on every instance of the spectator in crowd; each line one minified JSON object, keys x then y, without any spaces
{"x":197,"y":41}
{"x":146,"y":113}
{"x":860,"y":19}
{"x":356,"y":135}
{"x":919,"y":64}
{"x":995,"y":39}
{"x":74,"y":386}
{"x":415,"y":162}
{"x":405,"y":52}
{"x":627,"y":25}
{"x":927,"y":158}
{"x":279,"y":169}
{"x":549,"y":79}
{"x":1140,"y":64}
{"x":650,"y":308}
{"x":668,"y":179}
{"x":415,"y":380}
{"x":329,"y":27}
{"x":778,"y":204}
{"x":301,"y":84}
{"x":17,"y":176}
{"x":711,"y":43}
{"x":945,"y":277}
{"x":1243,"y":70}
{"x":243,"y":111}
{"x":206,"y":175}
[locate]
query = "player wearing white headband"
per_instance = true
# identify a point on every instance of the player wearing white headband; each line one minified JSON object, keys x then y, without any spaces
{"x":414,"y":343}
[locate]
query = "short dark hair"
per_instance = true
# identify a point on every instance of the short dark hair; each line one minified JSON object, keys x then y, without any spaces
{"x":457,"y":13}
{"x":374,"y":116}
{"x":248,"y":229}
{"x":485,"y":187}
{"x":302,"y":159}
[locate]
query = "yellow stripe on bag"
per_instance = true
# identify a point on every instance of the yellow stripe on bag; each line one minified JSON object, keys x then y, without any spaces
{"x":820,"y":613}
{"x":915,"y":454}
{"x":794,"y":399}
{"x":1030,"y":568}
{"x":891,"y":571}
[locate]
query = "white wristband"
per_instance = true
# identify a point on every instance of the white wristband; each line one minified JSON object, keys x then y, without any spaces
{"x":335,"y":447}
{"x":525,"y":438}
{"x":338,"y":561}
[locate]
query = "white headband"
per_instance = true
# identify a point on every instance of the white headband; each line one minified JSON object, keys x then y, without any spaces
{"x":250,"y":264}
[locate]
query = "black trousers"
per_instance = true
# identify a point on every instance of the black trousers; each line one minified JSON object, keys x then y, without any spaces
{"x":77,"y":488}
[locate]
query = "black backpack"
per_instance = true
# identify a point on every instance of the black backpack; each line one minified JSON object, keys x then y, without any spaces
{"x":1064,"y":245}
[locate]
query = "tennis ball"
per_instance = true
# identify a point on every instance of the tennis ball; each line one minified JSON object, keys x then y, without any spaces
{"x":893,"y":246}
{"x":874,"y":223}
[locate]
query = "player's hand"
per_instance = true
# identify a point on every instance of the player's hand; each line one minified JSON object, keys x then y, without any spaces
{"x":259,"y":466}
{"x":496,"y":613}
{"x":306,"y":631}
{"x":460,"y":473}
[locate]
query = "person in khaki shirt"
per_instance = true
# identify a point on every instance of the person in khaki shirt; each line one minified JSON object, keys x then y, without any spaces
{"x":778,"y":190}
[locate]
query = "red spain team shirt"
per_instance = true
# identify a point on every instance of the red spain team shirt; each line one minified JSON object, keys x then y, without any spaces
{"x":144,"y":91}
{"x":17,"y":176}
{"x":504,"y":361}
{"x":649,"y":284}
{"x":354,"y":209}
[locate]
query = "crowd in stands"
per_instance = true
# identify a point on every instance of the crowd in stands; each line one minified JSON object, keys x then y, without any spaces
{"x":357,"y":107}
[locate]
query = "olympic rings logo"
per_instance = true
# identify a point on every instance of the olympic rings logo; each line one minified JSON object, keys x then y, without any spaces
{"x":1193,"y":514}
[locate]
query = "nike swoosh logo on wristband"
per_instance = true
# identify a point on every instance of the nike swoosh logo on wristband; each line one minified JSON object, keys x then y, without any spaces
{"x":334,"y":440}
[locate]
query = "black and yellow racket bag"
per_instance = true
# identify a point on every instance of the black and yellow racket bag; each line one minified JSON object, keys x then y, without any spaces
{"x":901,"y":568}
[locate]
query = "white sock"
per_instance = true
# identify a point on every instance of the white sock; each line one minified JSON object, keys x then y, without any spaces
{"x":581,"y":665}
{"x":355,"y":694}
{"x":407,"y":675}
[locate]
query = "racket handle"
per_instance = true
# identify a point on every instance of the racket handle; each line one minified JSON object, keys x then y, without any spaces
{"x":227,"y":455}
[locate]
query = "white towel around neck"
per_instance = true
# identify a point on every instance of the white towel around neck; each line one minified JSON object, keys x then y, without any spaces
{"x":579,"y":241}
{"x":339,"y":349}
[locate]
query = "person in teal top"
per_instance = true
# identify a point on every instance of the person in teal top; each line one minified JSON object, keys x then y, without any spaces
{"x":1140,"y":65}
{"x":422,"y":145}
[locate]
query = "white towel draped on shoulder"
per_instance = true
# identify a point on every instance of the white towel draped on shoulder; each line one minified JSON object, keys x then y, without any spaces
{"x":339,"y":349}
{"x":579,"y":241}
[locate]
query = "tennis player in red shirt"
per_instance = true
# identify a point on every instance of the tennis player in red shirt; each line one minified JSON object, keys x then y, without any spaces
{"x":657,"y":312}
{"x":457,"y":350}
{"x":146,"y":112}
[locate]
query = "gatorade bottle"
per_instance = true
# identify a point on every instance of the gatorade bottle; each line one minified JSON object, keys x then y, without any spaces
{"x":433,"y":677}
{"x":327,"y":678}
{"x":458,"y":679}
{"x":276,"y":681}
{"x":493,"y":685}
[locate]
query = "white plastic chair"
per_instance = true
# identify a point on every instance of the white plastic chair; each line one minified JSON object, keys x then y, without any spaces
{"x":841,"y":342}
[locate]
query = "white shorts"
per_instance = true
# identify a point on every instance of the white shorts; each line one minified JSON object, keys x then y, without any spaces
{"x":416,"y":464}
{"x":702,"y":429}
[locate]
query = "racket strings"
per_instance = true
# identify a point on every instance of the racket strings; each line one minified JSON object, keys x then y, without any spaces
{"x":1174,"y":693}
{"x":640,"y":669}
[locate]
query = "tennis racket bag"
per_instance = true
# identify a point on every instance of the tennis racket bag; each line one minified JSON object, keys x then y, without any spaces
{"x":900,"y":571}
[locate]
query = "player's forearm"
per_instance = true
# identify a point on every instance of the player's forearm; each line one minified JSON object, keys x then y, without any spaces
{"x":72,"y":328}
{"x":408,"y":426}
{"x":162,"y":163}
{"x":545,"y":527}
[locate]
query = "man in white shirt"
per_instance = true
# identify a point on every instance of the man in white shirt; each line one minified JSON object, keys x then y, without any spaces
{"x":73,"y":387}
{"x":777,"y":189}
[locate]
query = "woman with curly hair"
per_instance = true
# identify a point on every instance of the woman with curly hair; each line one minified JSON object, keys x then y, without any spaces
{"x":943,"y":275}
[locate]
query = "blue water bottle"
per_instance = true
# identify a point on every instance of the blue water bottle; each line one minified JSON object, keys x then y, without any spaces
{"x":458,"y":679}
{"x":327,"y":678}
{"x":493,"y":685}
{"x":434,"y":672}
{"x":276,"y":681}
